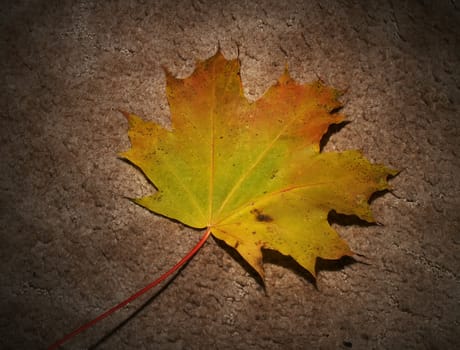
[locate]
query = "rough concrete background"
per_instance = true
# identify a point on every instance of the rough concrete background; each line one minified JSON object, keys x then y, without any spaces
{"x":73,"y":246}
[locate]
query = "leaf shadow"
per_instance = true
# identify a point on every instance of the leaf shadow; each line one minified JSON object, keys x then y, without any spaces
{"x":127,"y":161}
{"x":136,"y":312}
{"x":347,"y":220}
{"x":287,"y":262}
{"x":274,"y":257}
{"x":333,"y":129}
{"x":239,"y":259}
{"x":335,"y":265}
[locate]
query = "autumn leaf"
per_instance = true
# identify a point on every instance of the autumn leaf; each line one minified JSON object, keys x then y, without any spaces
{"x":252,"y":172}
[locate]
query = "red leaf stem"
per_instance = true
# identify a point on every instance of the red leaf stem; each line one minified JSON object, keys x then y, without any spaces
{"x":135,"y":295}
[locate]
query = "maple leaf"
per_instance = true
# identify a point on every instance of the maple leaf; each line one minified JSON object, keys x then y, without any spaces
{"x":252,"y":172}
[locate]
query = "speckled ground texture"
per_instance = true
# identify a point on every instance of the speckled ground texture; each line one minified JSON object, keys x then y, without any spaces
{"x":72,"y":245}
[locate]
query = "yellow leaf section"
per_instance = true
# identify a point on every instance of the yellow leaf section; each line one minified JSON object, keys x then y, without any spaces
{"x":252,"y":172}
{"x":293,"y":220}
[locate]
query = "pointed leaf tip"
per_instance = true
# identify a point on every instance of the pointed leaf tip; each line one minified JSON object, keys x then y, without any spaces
{"x":130,"y":117}
{"x":125,"y":114}
{"x":285,"y":78}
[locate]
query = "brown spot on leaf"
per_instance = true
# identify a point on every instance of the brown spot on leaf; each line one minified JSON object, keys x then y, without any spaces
{"x":261,"y":216}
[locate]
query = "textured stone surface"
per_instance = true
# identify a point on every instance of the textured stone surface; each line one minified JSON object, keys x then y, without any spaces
{"x":73,"y":246}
